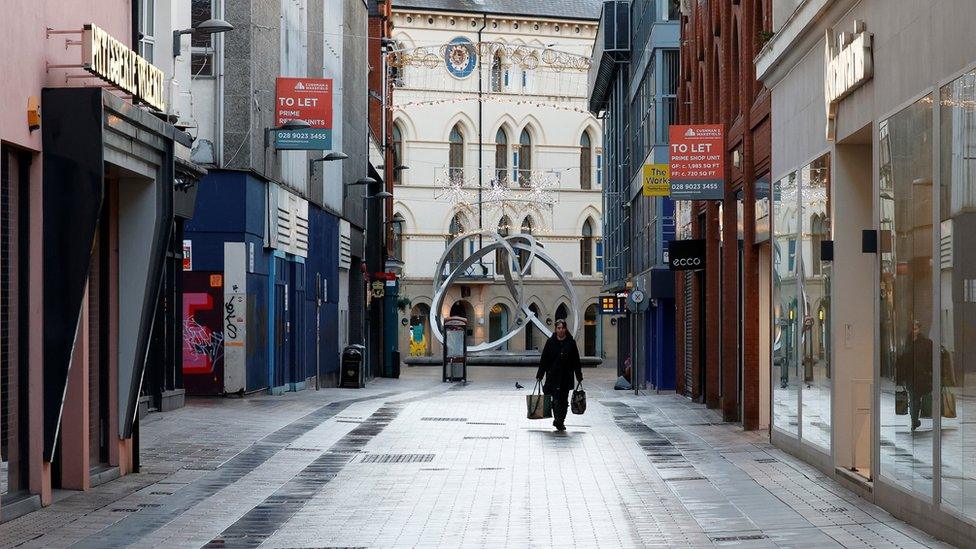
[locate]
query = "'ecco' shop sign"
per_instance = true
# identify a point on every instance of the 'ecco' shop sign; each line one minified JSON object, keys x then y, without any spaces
{"x":847,"y":65}
{"x":686,"y":255}
{"x":113,"y":62}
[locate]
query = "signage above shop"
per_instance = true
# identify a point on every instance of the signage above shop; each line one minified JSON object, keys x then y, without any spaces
{"x":656,"y":179}
{"x":848,"y":64}
{"x":113,"y":62}
{"x":686,"y":255}
{"x":308,"y":99}
{"x":697,"y":162}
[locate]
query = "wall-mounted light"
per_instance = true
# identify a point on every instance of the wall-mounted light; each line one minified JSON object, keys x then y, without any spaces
{"x":207,"y":28}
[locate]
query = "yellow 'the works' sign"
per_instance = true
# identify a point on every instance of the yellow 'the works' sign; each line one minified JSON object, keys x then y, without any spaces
{"x":657,"y":180}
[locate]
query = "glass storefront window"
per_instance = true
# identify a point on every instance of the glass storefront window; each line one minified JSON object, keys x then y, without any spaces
{"x":957,"y":289}
{"x":814,"y":345}
{"x":906,"y":296}
{"x":785,"y":301}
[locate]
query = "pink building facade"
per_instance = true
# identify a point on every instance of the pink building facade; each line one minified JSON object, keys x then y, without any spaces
{"x":86,"y":210}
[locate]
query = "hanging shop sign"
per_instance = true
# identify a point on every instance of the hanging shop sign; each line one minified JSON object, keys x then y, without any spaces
{"x":308,"y":99}
{"x":613,"y":304}
{"x":848,"y":64}
{"x":686,"y":255}
{"x":697,"y":162}
{"x":112,"y":61}
{"x":656,"y":179}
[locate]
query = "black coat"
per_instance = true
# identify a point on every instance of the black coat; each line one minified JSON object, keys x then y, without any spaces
{"x":560,"y":362}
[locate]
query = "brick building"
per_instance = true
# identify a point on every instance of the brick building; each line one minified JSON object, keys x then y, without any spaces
{"x":718,"y":329}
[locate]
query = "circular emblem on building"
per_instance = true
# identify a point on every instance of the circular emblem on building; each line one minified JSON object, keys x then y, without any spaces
{"x":460,"y":57}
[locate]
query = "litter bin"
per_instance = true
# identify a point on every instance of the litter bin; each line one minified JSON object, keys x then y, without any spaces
{"x":353,"y":376}
{"x":395,"y":359}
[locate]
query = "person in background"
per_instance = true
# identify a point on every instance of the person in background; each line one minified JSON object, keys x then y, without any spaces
{"x":560,"y":363}
{"x":913,"y":370}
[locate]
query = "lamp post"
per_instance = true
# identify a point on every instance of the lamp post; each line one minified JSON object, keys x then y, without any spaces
{"x":373,"y":204}
{"x":332,"y":156}
{"x":207,"y":28}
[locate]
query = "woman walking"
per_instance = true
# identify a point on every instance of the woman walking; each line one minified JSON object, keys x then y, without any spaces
{"x":560,"y":361}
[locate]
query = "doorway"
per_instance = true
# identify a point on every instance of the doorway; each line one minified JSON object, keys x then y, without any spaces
{"x":14,"y":284}
{"x":498,"y":327}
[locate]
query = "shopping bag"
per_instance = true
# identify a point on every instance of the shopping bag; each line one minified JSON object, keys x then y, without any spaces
{"x":901,"y":402}
{"x":926,"y":406}
{"x":948,"y":403}
{"x":538,"y":405}
{"x":578,"y":402}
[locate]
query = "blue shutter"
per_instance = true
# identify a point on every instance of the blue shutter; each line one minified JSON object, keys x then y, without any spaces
{"x":599,"y":255}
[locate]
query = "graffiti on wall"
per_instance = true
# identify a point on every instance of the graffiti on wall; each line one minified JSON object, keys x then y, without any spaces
{"x":203,"y":339}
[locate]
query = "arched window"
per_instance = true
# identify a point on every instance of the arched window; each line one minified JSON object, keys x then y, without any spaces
{"x":586,"y":161}
{"x":524,"y":255}
{"x":501,"y":256}
{"x":497,"y":83}
{"x":397,"y":228}
{"x":456,"y":152}
{"x":562,"y":313}
{"x":457,"y":254}
{"x":501,"y":156}
{"x":530,"y":328}
{"x":586,"y":249}
{"x":397,"y":153}
{"x":523,"y":158}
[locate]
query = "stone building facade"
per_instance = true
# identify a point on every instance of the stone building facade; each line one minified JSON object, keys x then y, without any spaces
{"x":533,"y":125}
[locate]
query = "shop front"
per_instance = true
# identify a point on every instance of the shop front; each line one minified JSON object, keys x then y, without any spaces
{"x":107,"y":211}
{"x":871,"y":279}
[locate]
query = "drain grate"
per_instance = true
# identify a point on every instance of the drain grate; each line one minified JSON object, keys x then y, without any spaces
{"x":398,"y":458}
{"x":489,"y":468}
{"x":499,"y":437}
{"x":297,"y":449}
{"x":443,"y":419}
{"x":834,"y":510}
{"x":747,"y":537}
{"x":767,"y":460}
{"x":676,"y":479}
{"x":433,"y":468}
{"x":484,"y":423}
{"x":124,"y":510}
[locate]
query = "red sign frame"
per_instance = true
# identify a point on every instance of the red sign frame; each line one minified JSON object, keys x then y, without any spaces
{"x":697,"y":161}
{"x":308,"y":99}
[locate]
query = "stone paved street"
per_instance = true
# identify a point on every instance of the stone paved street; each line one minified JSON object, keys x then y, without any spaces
{"x":417,"y":463}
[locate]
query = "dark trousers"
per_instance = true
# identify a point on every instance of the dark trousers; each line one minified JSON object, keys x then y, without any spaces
{"x":560,"y":404}
{"x":915,"y":405}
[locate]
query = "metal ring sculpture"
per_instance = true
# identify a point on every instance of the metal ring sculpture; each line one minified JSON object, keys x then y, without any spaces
{"x":516,"y":285}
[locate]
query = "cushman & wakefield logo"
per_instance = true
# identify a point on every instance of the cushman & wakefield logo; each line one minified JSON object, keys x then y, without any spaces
{"x":113,"y":62}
